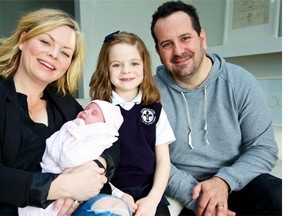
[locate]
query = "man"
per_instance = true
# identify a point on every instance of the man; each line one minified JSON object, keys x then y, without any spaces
{"x":224,"y":146}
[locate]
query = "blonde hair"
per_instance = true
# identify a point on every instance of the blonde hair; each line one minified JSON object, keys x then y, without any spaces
{"x":100,"y":84}
{"x":33,"y":24}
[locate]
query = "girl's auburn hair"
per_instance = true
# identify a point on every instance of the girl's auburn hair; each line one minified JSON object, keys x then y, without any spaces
{"x":100,"y":84}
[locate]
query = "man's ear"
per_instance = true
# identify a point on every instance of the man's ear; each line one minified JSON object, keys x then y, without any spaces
{"x":203,"y":38}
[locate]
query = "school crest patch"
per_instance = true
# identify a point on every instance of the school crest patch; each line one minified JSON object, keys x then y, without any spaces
{"x":148,"y":116}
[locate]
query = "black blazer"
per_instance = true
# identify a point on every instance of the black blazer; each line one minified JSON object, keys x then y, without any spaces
{"x":18,"y":187}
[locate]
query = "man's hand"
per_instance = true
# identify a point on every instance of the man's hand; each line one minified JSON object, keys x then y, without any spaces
{"x":214,"y":197}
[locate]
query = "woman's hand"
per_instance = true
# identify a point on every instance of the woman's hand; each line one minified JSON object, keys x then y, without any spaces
{"x":88,"y":180}
{"x":79,"y":183}
{"x":66,"y":206}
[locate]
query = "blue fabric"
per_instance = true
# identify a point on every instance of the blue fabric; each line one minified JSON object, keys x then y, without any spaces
{"x":85,"y":208}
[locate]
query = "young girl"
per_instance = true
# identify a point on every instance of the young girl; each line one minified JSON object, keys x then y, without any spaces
{"x":124,"y":77}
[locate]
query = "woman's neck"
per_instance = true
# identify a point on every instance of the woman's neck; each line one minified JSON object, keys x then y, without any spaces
{"x":25,"y":85}
{"x":34,"y":92}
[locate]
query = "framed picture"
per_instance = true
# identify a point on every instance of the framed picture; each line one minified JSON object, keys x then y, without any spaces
{"x":247,"y":20}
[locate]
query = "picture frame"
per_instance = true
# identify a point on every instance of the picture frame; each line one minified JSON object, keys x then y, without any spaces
{"x":248,"y":20}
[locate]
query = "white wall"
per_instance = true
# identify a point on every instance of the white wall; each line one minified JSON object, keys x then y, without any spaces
{"x":101,"y":17}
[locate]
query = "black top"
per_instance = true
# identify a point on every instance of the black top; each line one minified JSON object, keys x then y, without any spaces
{"x":22,"y":144}
{"x":33,"y":136}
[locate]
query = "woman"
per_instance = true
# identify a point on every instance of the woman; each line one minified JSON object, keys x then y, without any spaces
{"x":40,"y":66}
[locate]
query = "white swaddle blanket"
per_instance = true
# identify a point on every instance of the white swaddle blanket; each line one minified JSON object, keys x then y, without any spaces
{"x":76,"y":143}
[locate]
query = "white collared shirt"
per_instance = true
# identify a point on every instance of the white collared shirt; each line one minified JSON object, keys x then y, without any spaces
{"x":164,"y":132}
{"x":117,"y":100}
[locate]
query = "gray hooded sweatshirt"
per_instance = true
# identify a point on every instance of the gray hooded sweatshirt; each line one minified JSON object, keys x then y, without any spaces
{"x":223,"y":128}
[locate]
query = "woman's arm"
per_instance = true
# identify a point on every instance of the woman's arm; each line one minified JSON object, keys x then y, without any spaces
{"x":110,"y":159}
{"x":90,"y":176}
{"x":82,"y":183}
{"x":108,"y":162}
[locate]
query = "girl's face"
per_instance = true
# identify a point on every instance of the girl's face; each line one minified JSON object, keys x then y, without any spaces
{"x":46,"y":57}
{"x":91,"y":114}
{"x":126,"y":69}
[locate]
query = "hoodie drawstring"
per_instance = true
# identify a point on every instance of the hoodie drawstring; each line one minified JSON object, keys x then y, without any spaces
{"x":189,"y":122}
{"x":189,"y":119}
{"x":205,"y":114}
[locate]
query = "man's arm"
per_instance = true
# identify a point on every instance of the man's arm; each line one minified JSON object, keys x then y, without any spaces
{"x":180,"y":186}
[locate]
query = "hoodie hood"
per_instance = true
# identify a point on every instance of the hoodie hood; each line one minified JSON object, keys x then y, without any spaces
{"x":217,"y":65}
{"x":216,"y":69}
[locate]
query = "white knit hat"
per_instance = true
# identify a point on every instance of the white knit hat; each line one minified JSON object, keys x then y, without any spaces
{"x":111,"y":113}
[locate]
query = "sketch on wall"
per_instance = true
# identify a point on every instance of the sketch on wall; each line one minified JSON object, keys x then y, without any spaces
{"x":251,"y":20}
{"x":250,"y":13}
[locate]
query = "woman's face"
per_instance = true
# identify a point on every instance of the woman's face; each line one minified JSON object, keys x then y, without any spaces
{"x":46,"y":57}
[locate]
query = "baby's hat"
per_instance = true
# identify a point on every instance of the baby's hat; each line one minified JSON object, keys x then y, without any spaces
{"x":112,"y":113}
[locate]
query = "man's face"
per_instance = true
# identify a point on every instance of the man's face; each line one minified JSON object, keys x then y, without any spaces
{"x":180,"y":48}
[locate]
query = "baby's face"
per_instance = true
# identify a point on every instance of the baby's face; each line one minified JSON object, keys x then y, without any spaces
{"x":91,"y":114}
